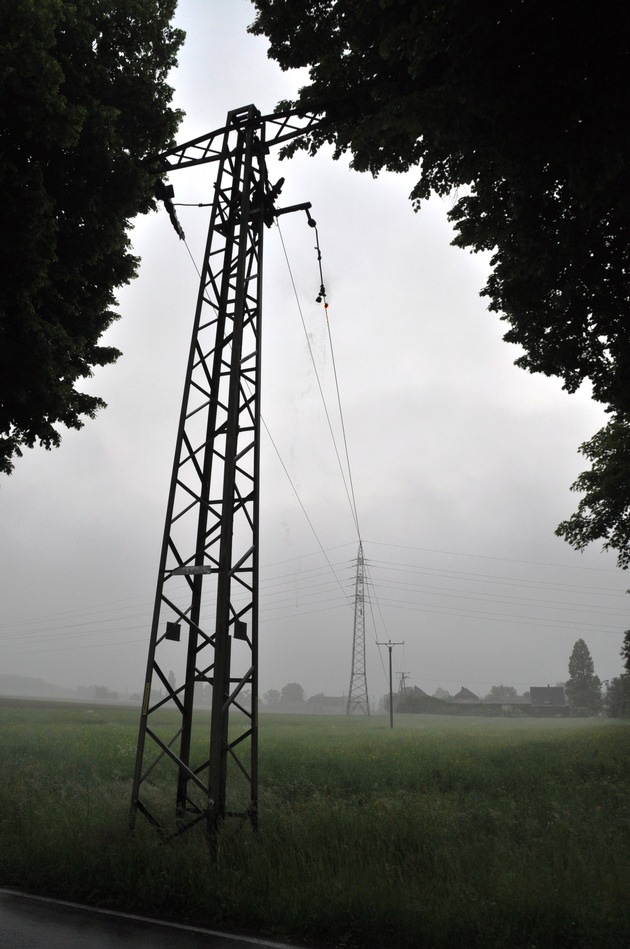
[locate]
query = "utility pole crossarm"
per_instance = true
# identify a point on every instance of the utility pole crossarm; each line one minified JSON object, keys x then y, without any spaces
{"x":283,"y":126}
{"x":280,"y":127}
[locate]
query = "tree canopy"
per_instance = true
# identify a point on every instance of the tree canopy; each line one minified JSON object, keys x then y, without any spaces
{"x":292,"y":693}
{"x":500,"y":693}
{"x":525,"y":106}
{"x":603,"y":513}
{"x":583,"y":686}
{"x":83,"y":99}
{"x":617,"y":699}
{"x":519,"y":110}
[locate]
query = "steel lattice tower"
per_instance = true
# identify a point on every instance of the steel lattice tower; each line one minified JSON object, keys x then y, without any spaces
{"x":358,"y":693}
{"x":205,"y":618}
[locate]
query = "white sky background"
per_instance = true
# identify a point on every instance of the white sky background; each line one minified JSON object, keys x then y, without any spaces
{"x":461,"y":462}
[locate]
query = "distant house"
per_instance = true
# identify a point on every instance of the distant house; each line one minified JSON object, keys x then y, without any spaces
{"x":415,"y":700}
{"x":416,"y":691}
{"x":327,"y":704}
{"x":548,"y":702}
{"x":464,"y":696}
{"x":547,"y":695}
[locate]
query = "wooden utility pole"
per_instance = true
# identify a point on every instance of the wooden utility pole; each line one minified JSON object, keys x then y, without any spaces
{"x":390,"y":645}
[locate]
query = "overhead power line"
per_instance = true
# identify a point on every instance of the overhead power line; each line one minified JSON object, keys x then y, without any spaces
{"x":347,"y":481}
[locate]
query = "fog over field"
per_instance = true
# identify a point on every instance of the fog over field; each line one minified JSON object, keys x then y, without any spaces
{"x":461,"y":463}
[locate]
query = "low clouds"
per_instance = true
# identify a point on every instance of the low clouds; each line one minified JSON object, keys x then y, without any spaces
{"x":461,"y":462}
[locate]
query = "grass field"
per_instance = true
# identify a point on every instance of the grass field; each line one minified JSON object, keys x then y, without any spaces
{"x":445,"y":832}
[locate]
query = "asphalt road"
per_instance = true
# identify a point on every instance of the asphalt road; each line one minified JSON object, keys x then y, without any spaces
{"x":30,"y":922}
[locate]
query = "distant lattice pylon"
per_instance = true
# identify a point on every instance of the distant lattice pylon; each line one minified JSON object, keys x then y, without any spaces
{"x":357,"y":693}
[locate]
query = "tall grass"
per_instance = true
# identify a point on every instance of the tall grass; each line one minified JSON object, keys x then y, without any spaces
{"x":473,"y":832}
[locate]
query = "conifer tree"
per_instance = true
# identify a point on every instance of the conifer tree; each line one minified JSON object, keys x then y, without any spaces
{"x":583,"y":686}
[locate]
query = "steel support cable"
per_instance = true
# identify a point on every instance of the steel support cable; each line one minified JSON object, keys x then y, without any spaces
{"x":322,"y":292}
{"x":547,"y":585}
{"x":321,"y":298}
{"x":309,"y":522}
{"x":398,"y":586}
{"x":266,"y":427}
{"x":301,"y":557}
{"x":190,"y":254}
{"x":343,"y":427}
{"x":75,"y":646}
{"x":458,"y":553}
{"x":534,"y":622}
{"x":376,"y":600}
{"x":370,"y":585}
{"x":275,"y":447}
{"x":349,"y":493}
{"x":404,"y":662}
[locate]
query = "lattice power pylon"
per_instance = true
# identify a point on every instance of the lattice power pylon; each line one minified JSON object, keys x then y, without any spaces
{"x":203,"y":648}
{"x":402,"y":686}
{"x":358,"y":693}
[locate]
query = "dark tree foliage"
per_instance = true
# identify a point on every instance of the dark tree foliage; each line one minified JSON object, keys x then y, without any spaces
{"x":500,"y":693}
{"x":520,"y":109}
{"x":603,"y":513}
{"x":583,"y":686}
{"x":523,"y":105}
{"x":292,"y":693}
{"x":617,"y":699}
{"x":272,"y":698}
{"x":83,"y":98}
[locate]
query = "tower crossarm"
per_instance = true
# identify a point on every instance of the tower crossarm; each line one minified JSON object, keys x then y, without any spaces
{"x":280,"y":127}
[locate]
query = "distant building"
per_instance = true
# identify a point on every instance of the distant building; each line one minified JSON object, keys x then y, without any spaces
{"x":327,"y":704}
{"x":465,"y":695}
{"x":548,"y":702}
{"x":547,"y":695}
{"x":415,"y":700}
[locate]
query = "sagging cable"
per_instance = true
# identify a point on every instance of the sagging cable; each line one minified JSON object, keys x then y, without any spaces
{"x":306,"y":207}
{"x":321,"y":296}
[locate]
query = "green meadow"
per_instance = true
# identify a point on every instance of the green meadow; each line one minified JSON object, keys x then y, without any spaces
{"x":488,"y":833}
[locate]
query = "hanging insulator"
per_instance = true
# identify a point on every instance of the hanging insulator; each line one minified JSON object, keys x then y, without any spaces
{"x":267,"y":200}
{"x":274,"y":192}
{"x":166,"y":193}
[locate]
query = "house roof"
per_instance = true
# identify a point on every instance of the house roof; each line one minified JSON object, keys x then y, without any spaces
{"x":329,"y":700}
{"x":547,"y":695}
{"x":465,"y":695}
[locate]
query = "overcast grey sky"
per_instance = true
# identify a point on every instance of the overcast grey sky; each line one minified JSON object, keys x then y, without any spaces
{"x":461,"y":462}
